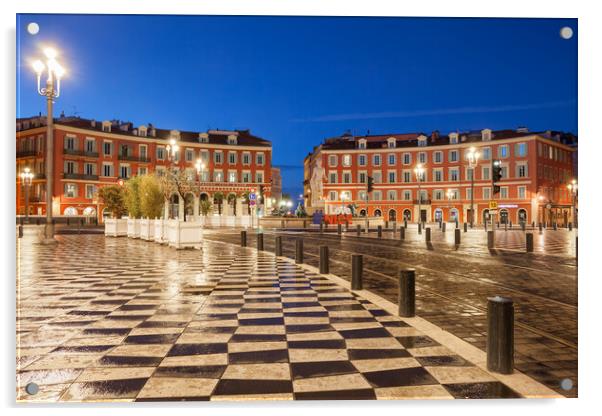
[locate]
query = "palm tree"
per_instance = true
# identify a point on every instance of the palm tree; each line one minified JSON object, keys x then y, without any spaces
{"x":218,"y":198}
{"x":245,"y":199}
{"x":232,"y":201}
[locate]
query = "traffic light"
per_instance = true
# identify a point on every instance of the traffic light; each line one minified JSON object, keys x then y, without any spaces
{"x":496,"y":189}
{"x":370,"y":183}
{"x":497,"y":171}
{"x":260,"y":199}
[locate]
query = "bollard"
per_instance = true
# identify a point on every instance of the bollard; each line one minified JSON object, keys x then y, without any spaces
{"x":402,"y":233}
{"x":522,"y":226}
{"x":428,"y":234}
{"x":394,"y":228}
{"x":490,"y":237}
{"x":299,"y":251}
{"x":533,"y":224}
{"x":321,"y":227}
{"x":346,"y":225}
{"x":407,"y":293}
{"x":339,"y":228}
{"x":358,"y":229}
{"x":555,"y":226}
{"x":419,"y":228}
{"x":259,"y":241}
{"x":440,"y":224}
{"x":540,"y":228}
{"x":485,"y":226}
{"x":465,"y":227}
{"x":570,"y":226}
{"x":243,"y":238}
{"x":498,"y":225}
{"x":367,"y":227}
{"x":529,"y":242}
{"x":304,"y":223}
{"x":278,"y":244}
{"x":457,"y":236}
{"x":356,"y":271}
{"x":20,"y":230}
{"x":510,"y":224}
{"x":443,"y":227}
{"x":505,"y":226}
{"x":379,"y":230}
{"x":324,"y":269}
{"x":386,"y":224}
{"x":500,"y":335}
{"x":405,"y":223}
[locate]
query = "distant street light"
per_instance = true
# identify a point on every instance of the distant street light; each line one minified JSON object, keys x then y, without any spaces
{"x":573,"y":188}
{"x":419,"y":172}
{"x":473,"y":159}
{"x":51,"y":91}
{"x":26,"y":178}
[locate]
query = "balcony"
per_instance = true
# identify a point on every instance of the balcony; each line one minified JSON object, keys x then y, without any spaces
{"x":27,"y":153}
{"x":84,"y":153}
{"x":81,"y":176}
{"x":134,"y":158}
{"x":422,"y":202}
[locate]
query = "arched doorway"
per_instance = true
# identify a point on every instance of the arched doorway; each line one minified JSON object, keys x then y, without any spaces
{"x":522,"y":216}
{"x":362,"y":213}
{"x":503,"y":216}
{"x":407,"y":215}
{"x":453,"y":215}
{"x":486,"y":216}
{"x":70,"y":211}
{"x":438,"y":215}
{"x":90,"y":212}
{"x":392,"y":215}
{"x":204,"y":197}
{"x":378,"y":213}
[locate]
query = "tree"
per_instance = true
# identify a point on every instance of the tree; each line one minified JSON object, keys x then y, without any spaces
{"x":232,"y":201}
{"x":246,"y":200}
{"x":177,"y":182}
{"x":218,"y":198}
{"x":300,"y":211}
{"x":112,"y":197}
{"x":205,"y":206}
{"x":132,"y":197}
{"x":151,"y":197}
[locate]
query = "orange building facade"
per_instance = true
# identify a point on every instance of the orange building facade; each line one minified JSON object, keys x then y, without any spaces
{"x":89,"y":154}
{"x":536,"y":169}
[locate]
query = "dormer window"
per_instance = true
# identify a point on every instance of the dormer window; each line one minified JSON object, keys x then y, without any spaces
{"x":391,"y":142}
{"x":486,"y":135}
{"x":232,"y":139}
{"x":453,"y":138}
{"x":142,"y":131}
{"x":422,"y":141}
{"x":361,"y":144}
{"x":203,"y":138}
{"x":174,"y":134}
{"x":106,"y":126}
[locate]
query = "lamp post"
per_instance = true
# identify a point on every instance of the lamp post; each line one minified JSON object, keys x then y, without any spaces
{"x":26,"y":178}
{"x":51,"y":91}
{"x":200,"y":167}
{"x":473,"y":159}
{"x":573,"y":188}
{"x":449,"y":195}
{"x":172,"y":151}
{"x":419,"y":172}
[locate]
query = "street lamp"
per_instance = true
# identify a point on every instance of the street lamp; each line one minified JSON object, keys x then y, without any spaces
{"x":172,"y":150}
{"x":51,"y":91}
{"x":449,"y":195}
{"x":573,"y":188}
{"x":473,"y":159}
{"x":419,"y":172}
{"x":26,"y":178}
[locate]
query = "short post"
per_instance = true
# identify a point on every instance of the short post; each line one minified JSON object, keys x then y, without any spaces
{"x":299,"y":251}
{"x":304,"y":224}
{"x":419,"y":228}
{"x":379,"y":231}
{"x":522,"y":226}
{"x":540,"y":228}
{"x":386,"y":224}
{"x":20,"y":230}
{"x":510,"y":224}
{"x":243,"y":238}
{"x":500,"y":335}
{"x":357,"y":266}
{"x":324,"y":266}
{"x":405,"y":223}
{"x":465,"y":227}
{"x":346,"y":225}
{"x":505,"y":226}
{"x":529,"y":242}
{"x":407,"y":293}
{"x":490,"y":239}
{"x":339,"y":228}
{"x":428,"y":234}
{"x":321,"y":227}
{"x":278,"y":244}
{"x":367,"y":227}
{"x":555,"y":226}
{"x":440,"y":224}
{"x":402,"y":233}
{"x":443,"y":227}
{"x":457,"y":236}
{"x":358,"y":229}
{"x":570,"y":226}
{"x":259,"y":241}
{"x":394,"y":228}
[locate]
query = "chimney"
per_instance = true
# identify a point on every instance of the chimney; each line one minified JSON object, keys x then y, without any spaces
{"x":434,"y":136}
{"x":93,"y":123}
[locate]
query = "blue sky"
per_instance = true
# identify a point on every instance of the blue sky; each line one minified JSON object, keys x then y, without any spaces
{"x":297,"y":80}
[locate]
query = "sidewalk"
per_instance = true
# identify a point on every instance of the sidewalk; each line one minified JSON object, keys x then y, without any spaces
{"x":226,"y":323}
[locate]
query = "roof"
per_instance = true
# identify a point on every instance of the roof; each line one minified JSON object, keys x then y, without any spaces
{"x":244,"y":137}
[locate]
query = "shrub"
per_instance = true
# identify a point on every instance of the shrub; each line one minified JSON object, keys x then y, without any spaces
{"x":151,"y":197}
{"x":205,"y":207}
{"x":132,"y":197}
{"x":112,"y":197}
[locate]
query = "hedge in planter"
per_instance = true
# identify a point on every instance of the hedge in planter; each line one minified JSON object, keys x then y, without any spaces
{"x":113,"y":198}
{"x":132,"y":197}
{"x":151,"y":197}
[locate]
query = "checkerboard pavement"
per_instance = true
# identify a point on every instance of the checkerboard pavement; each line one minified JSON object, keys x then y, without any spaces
{"x":223,"y":323}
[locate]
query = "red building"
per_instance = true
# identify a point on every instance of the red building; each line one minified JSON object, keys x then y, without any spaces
{"x":90,"y":154}
{"x":536,"y":169}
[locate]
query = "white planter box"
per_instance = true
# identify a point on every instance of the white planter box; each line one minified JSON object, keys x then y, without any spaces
{"x":116,"y":227}
{"x":147,"y":229}
{"x":182,"y":234}
{"x":230,"y":221}
{"x":133,"y":228}
{"x":245,"y":221}
{"x":160,"y":233}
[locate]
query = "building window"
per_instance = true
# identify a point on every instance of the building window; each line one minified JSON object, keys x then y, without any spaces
{"x":486,"y":193}
{"x":362,"y":195}
{"x":90,"y":191}
{"x":521,"y":171}
{"x":346,"y":177}
{"x":246,"y":158}
{"x":346,"y":160}
{"x":70,"y":167}
{"x":218,"y":176}
{"x":90,"y":145}
{"x":246,"y":177}
{"x":332,"y":160}
{"x":376,"y":160}
{"x":407,"y":159}
{"x":392,"y":177}
{"x":362,"y":160}
{"x":521,"y":149}
{"x":232,"y":158}
{"x":362,"y":177}
{"x":70,"y":143}
{"x":469,"y":173}
{"x":438,"y":157}
{"x":232,"y":176}
{"x":377,"y":177}
{"x":108,"y":148}
{"x":454,"y":175}
{"x":231,"y":139}
{"x":259,"y":177}
{"x":160,"y":153}
{"x":391,"y":143}
{"x":468,"y":193}
{"x":125,"y":171}
{"x":391,"y":159}
{"x":377,"y":195}
{"x":70,"y":190}
{"x":332,"y":177}
{"x":142,"y":170}
{"x":504,"y":192}
{"x":438,"y":175}
{"x":90,"y":169}
{"x":107,"y":169}
{"x":189,"y":155}
{"x":438,"y":195}
{"x":522,"y":192}
{"x":217,"y":158}
{"x":392,"y":195}
{"x":486,"y":153}
{"x":143,"y":151}
{"x":332,"y":195}
{"x":362,"y":144}
{"x":485,"y":171}
{"x":422,"y":157}
{"x":407,"y":195}
{"x":453,"y":155}
{"x":502,"y":151}
{"x":504,"y":172}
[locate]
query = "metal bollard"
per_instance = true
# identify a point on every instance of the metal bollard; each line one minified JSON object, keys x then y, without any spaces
{"x":278,"y":244}
{"x":20,"y":230}
{"x":346,"y":226}
{"x":529,"y":242}
{"x":324,"y":266}
{"x":394,"y":228}
{"x":505,"y":226}
{"x":405,"y":223}
{"x":379,"y":231}
{"x":321,"y":227}
{"x":402,"y":233}
{"x":419,"y":228}
{"x":457,"y":236}
{"x":304,"y":223}
{"x":299,"y":251}
{"x":443,"y":227}
{"x":570,"y":226}
{"x":259,"y":241}
{"x":386,"y":225}
{"x":540,"y":228}
{"x":555,"y":226}
{"x":357,"y":265}
{"x":358,"y":229}
{"x":407,"y":293}
{"x":428,"y":234}
{"x":367,"y":227}
{"x":500,"y":335}
{"x":339,"y":228}
{"x":465,"y":227}
{"x":490,"y":238}
{"x":440,"y":224}
{"x":243,"y":238}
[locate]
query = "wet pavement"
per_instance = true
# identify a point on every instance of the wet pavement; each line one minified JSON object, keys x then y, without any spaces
{"x":117,"y":319}
{"x":453,"y":283}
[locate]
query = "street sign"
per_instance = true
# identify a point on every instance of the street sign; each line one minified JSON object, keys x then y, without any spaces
{"x":492,"y":204}
{"x":251,"y":202}
{"x":252,"y":197}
